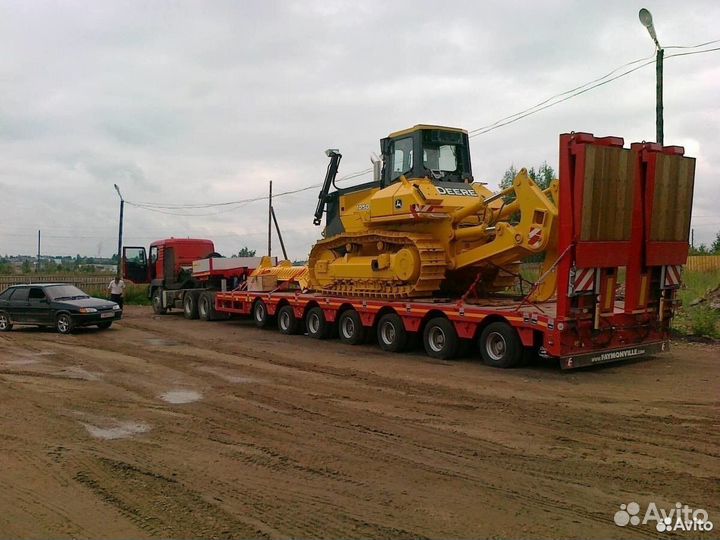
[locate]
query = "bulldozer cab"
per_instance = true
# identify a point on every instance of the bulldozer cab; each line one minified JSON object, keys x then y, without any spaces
{"x":424,"y":151}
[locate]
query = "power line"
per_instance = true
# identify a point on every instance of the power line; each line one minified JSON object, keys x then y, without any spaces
{"x":546,"y":104}
{"x":561,"y":94}
{"x":148,"y":205}
{"x":177,"y":209}
{"x":692,"y":46}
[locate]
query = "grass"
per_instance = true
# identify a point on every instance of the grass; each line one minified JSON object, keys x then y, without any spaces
{"x":698,"y":320}
{"x":135,"y":295}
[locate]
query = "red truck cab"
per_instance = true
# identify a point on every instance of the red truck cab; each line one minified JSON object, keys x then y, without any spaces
{"x":169,"y":260}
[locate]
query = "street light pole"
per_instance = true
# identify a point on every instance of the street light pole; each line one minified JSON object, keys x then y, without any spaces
{"x":647,"y":22}
{"x":120,"y":230}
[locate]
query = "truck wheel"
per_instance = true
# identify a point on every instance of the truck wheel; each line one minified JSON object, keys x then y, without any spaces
{"x":287,"y":322}
{"x":64,"y":323}
{"x":391,"y":333}
{"x":500,"y":345}
{"x":156,"y":300}
{"x":260,"y":314}
{"x":350,"y":328}
{"x":5,"y":323}
{"x":206,"y":307}
{"x":190,"y":306}
{"x":316,"y":324}
{"x":440,"y":339}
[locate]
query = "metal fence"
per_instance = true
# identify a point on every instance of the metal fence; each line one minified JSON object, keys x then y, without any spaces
{"x":703,"y":263}
{"x":79,"y":280}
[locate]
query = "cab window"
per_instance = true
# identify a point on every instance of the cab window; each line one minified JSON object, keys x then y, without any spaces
{"x":135,"y":255}
{"x":5,"y":295}
{"x":441,"y":158}
{"x":402,"y":159}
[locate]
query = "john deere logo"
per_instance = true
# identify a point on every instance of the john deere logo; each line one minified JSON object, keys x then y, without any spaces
{"x":398,"y":204}
{"x":467,"y":192}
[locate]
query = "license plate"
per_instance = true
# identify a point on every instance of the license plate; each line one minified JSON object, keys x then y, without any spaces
{"x":107,"y":315}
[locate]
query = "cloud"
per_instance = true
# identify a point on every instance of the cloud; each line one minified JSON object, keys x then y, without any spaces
{"x":198,"y":102}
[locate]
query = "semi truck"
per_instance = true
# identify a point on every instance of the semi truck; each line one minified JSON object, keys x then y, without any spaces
{"x":185,"y":273}
{"x":613,"y":229}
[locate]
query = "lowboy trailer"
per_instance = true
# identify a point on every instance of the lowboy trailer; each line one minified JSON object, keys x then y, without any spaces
{"x":623,"y":215}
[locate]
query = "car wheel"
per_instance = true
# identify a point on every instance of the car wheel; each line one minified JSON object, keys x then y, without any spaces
{"x":287,"y":322}
{"x":190,"y":306}
{"x":391,"y":333}
{"x":500,"y":345}
{"x":5,"y":323}
{"x":64,"y":323}
{"x":440,"y":339}
{"x":104,"y":325}
{"x":157,"y":302}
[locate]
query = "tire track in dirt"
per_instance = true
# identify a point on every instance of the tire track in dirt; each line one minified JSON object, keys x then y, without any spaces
{"x":355,"y":443}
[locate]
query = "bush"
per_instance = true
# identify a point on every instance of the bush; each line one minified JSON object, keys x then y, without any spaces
{"x":703,"y":321}
{"x":135,"y":295}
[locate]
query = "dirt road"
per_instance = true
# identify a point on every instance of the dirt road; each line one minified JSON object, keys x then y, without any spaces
{"x":162,"y":427}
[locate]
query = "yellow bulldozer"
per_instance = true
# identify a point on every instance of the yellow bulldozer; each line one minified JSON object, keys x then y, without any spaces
{"x":424,"y":227}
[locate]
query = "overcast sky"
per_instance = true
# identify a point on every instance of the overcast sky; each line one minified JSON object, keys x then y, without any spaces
{"x":200,"y":102}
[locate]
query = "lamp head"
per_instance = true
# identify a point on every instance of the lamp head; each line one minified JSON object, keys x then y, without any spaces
{"x":646,"y":20}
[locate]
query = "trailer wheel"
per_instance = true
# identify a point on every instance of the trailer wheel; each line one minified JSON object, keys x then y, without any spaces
{"x":351,"y":328}
{"x":440,"y":339}
{"x":500,"y":345}
{"x":287,"y":322}
{"x":190,"y":306}
{"x":260,"y":314}
{"x":156,"y":300}
{"x":391,"y":333}
{"x":316,"y":324}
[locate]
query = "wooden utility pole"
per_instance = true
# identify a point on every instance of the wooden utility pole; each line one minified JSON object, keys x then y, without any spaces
{"x":120,"y":231}
{"x":270,"y":219}
{"x":37,"y":266}
{"x":659,"y":127}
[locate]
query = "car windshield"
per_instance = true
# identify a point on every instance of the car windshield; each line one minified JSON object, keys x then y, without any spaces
{"x":58,"y":292}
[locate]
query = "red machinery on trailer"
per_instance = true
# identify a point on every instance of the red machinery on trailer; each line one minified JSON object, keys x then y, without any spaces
{"x":622,"y":212}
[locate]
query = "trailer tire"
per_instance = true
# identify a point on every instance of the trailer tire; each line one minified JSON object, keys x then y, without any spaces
{"x":350,"y":328}
{"x":316,"y":324}
{"x":391,"y":333}
{"x":260,"y":314}
{"x":190,"y":305}
{"x":206,"y":307}
{"x":156,"y":300}
{"x":500,"y":345}
{"x":287,"y":322}
{"x":440,"y":339}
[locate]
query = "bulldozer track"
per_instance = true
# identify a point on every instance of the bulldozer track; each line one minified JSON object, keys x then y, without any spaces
{"x":432,"y":266}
